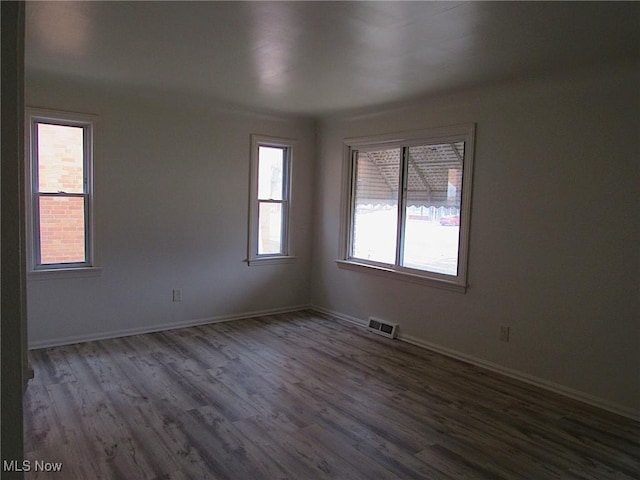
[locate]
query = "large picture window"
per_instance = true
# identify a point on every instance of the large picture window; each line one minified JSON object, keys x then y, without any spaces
{"x":270,"y":200}
{"x":60,"y":147}
{"x":409,"y":204}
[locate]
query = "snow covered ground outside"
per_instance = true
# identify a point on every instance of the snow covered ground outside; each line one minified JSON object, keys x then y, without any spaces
{"x":428,"y":245}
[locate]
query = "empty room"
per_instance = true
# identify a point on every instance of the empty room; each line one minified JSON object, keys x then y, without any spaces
{"x":320,"y":240}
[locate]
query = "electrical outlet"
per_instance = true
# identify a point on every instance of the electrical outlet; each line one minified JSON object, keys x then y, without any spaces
{"x":504,"y":333}
{"x":177,"y":294}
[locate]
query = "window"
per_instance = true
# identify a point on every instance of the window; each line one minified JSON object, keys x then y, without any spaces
{"x":270,"y":200}
{"x":60,"y":200}
{"x":408,"y":205}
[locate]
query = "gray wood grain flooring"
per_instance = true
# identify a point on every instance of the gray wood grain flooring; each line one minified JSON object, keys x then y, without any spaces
{"x":303,"y":396}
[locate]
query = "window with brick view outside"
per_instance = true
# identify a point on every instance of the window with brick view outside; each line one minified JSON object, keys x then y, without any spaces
{"x":61,"y":189}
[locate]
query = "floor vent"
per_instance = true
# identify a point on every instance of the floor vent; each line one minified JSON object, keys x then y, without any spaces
{"x":382,"y":327}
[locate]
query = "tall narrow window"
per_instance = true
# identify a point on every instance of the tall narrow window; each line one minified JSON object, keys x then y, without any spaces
{"x":60,"y":150}
{"x":409,"y":205}
{"x":270,"y":202}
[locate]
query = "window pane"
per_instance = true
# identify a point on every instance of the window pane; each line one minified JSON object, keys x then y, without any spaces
{"x":60,"y":158}
{"x":270,"y":228}
{"x":270,"y":173}
{"x":432,"y":222}
{"x":375,"y":214}
{"x":62,"y":238}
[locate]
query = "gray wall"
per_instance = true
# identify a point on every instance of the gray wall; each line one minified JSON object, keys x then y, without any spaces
{"x":554,"y":234}
{"x":172,"y":193}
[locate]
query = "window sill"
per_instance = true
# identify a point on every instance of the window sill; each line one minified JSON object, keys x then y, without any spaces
{"x":52,"y":274}
{"x":254,"y":262}
{"x":403,"y":276}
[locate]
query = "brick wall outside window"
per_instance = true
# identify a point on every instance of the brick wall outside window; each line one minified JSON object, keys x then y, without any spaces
{"x":61,"y":169}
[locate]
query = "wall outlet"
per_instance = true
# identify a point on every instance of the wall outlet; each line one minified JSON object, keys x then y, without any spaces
{"x":177,"y":295}
{"x":504,"y":333}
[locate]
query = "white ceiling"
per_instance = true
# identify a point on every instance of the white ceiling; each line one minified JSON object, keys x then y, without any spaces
{"x":314,"y":58}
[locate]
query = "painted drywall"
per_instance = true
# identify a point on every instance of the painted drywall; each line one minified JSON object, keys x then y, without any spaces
{"x":172,"y":193}
{"x":13,"y":348}
{"x":554,"y":232}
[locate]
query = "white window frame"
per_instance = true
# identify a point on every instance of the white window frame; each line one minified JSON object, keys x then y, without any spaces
{"x":286,"y":256}
{"x":452,"y":134}
{"x":88,"y":122}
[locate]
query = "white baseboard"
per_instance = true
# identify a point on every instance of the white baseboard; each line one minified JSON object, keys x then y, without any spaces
{"x":342,"y":316}
{"x":127,"y":332}
{"x":494,"y":367}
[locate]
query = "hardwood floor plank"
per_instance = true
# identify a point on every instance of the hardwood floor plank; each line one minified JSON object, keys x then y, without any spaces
{"x":304,"y":396}
{"x":273,"y":446}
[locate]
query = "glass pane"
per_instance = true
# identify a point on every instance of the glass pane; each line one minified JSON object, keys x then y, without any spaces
{"x":432,"y":222}
{"x":62,"y":238}
{"x":60,"y":158}
{"x":270,"y":229}
{"x":270,"y":173}
{"x":375,"y":217}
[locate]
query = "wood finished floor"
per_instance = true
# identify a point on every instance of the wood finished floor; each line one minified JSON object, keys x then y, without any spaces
{"x":302,"y":396}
